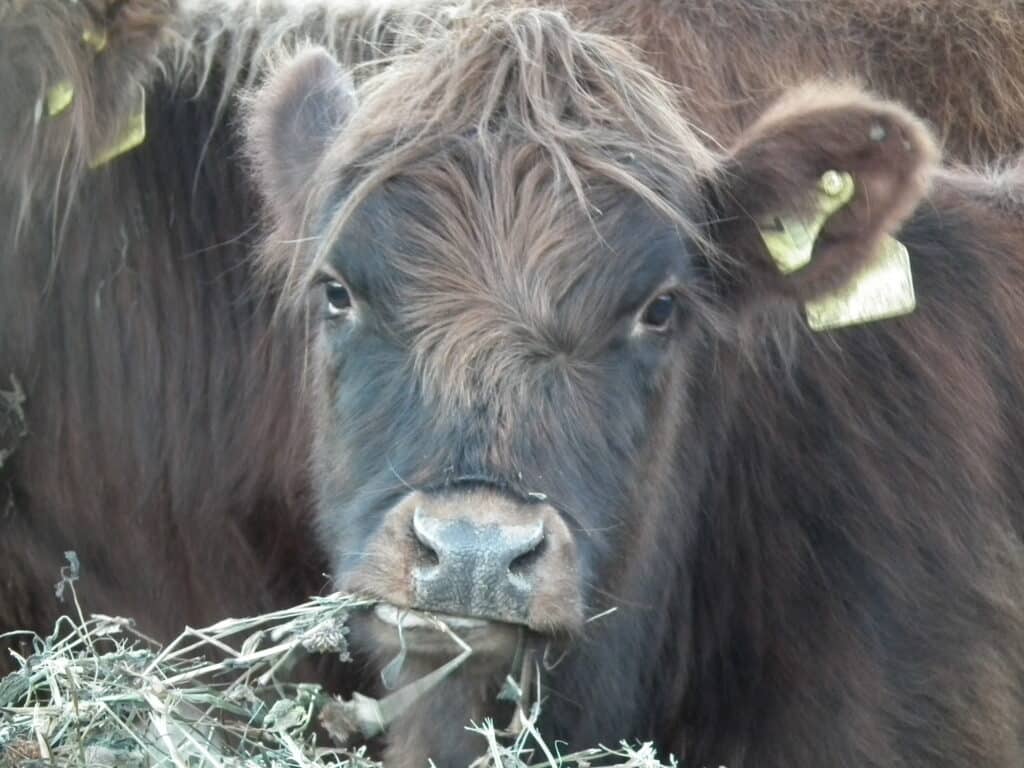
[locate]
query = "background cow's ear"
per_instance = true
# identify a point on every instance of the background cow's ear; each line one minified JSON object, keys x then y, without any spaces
{"x":291,"y":122}
{"x":810,"y":191}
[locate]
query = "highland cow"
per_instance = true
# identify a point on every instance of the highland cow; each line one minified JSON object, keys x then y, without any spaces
{"x":552,"y":370}
{"x":556,"y":372}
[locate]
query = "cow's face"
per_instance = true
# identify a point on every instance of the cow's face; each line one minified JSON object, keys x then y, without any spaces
{"x":524,"y":266}
{"x":499,"y":388}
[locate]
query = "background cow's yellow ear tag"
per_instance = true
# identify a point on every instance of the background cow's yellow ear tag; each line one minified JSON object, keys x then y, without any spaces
{"x":132,"y":134}
{"x":884,"y":288}
{"x":95,"y":39}
{"x":59,"y":97}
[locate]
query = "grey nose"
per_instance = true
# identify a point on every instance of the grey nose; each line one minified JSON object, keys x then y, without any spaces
{"x":476,"y":569}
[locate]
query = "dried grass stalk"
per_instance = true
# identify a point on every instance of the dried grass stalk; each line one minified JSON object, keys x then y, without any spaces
{"x":96,"y":692}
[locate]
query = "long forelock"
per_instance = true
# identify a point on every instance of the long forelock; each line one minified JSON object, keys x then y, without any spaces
{"x":483,"y":273}
{"x":520,"y":77}
{"x":550,"y":113}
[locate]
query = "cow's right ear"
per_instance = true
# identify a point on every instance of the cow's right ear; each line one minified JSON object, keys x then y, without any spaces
{"x":292,"y":121}
{"x":812,"y":192}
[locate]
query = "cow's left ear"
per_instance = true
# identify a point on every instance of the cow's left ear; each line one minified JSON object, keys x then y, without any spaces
{"x":815,"y":188}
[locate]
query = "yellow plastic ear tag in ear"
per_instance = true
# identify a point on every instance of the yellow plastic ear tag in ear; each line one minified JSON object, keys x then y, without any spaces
{"x":883,"y":289}
{"x":97,"y":40}
{"x":791,"y":241}
{"x":58,"y":97}
{"x":133,"y":134}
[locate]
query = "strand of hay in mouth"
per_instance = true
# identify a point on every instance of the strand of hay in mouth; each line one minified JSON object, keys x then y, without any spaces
{"x":96,"y":692}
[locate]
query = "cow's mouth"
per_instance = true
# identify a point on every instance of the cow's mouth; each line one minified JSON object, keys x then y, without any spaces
{"x":410,"y":618}
{"x":430,"y":633}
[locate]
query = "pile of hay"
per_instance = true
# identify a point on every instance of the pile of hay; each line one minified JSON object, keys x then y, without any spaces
{"x":96,"y":692}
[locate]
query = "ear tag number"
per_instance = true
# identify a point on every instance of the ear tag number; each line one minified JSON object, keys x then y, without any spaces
{"x":882,"y":289}
{"x":791,"y":241}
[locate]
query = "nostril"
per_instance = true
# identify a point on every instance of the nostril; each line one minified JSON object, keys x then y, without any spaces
{"x":425,"y":543}
{"x":524,"y":563}
{"x":425,"y":556}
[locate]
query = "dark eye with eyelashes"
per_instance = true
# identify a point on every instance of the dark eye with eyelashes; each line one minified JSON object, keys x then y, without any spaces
{"x":338,"y":299}
{"x":658,"y":313}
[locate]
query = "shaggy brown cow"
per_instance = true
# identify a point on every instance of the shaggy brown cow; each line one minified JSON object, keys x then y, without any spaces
{"x":556,"y":372}
{"x":164,"y":435}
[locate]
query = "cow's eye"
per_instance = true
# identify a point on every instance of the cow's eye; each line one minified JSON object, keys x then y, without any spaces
{"x":338,"y":299}
{"x":658,"y":314}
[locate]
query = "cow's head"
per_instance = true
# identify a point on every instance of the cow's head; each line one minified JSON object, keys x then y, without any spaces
{"x":518,"y":262}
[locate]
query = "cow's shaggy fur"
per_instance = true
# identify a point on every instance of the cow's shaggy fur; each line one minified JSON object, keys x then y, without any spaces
{"x":167,"y":439}
{"x":834,"y":516}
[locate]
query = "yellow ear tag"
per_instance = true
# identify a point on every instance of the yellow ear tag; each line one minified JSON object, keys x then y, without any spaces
{"x":884,"y":288}
{"x":791,"y":241}
{"x":132,"y":135}
{"x":97,"y":40}
{"x":58,"y":97}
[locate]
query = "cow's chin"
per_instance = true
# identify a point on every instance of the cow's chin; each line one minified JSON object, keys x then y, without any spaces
{"x":391,"y":627}
{"x":409,"y":646}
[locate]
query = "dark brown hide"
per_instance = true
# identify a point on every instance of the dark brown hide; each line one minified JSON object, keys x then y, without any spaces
{"x":167,"y":437}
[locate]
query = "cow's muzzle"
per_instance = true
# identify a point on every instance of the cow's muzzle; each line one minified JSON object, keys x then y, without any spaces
{"x":477,"y":557}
